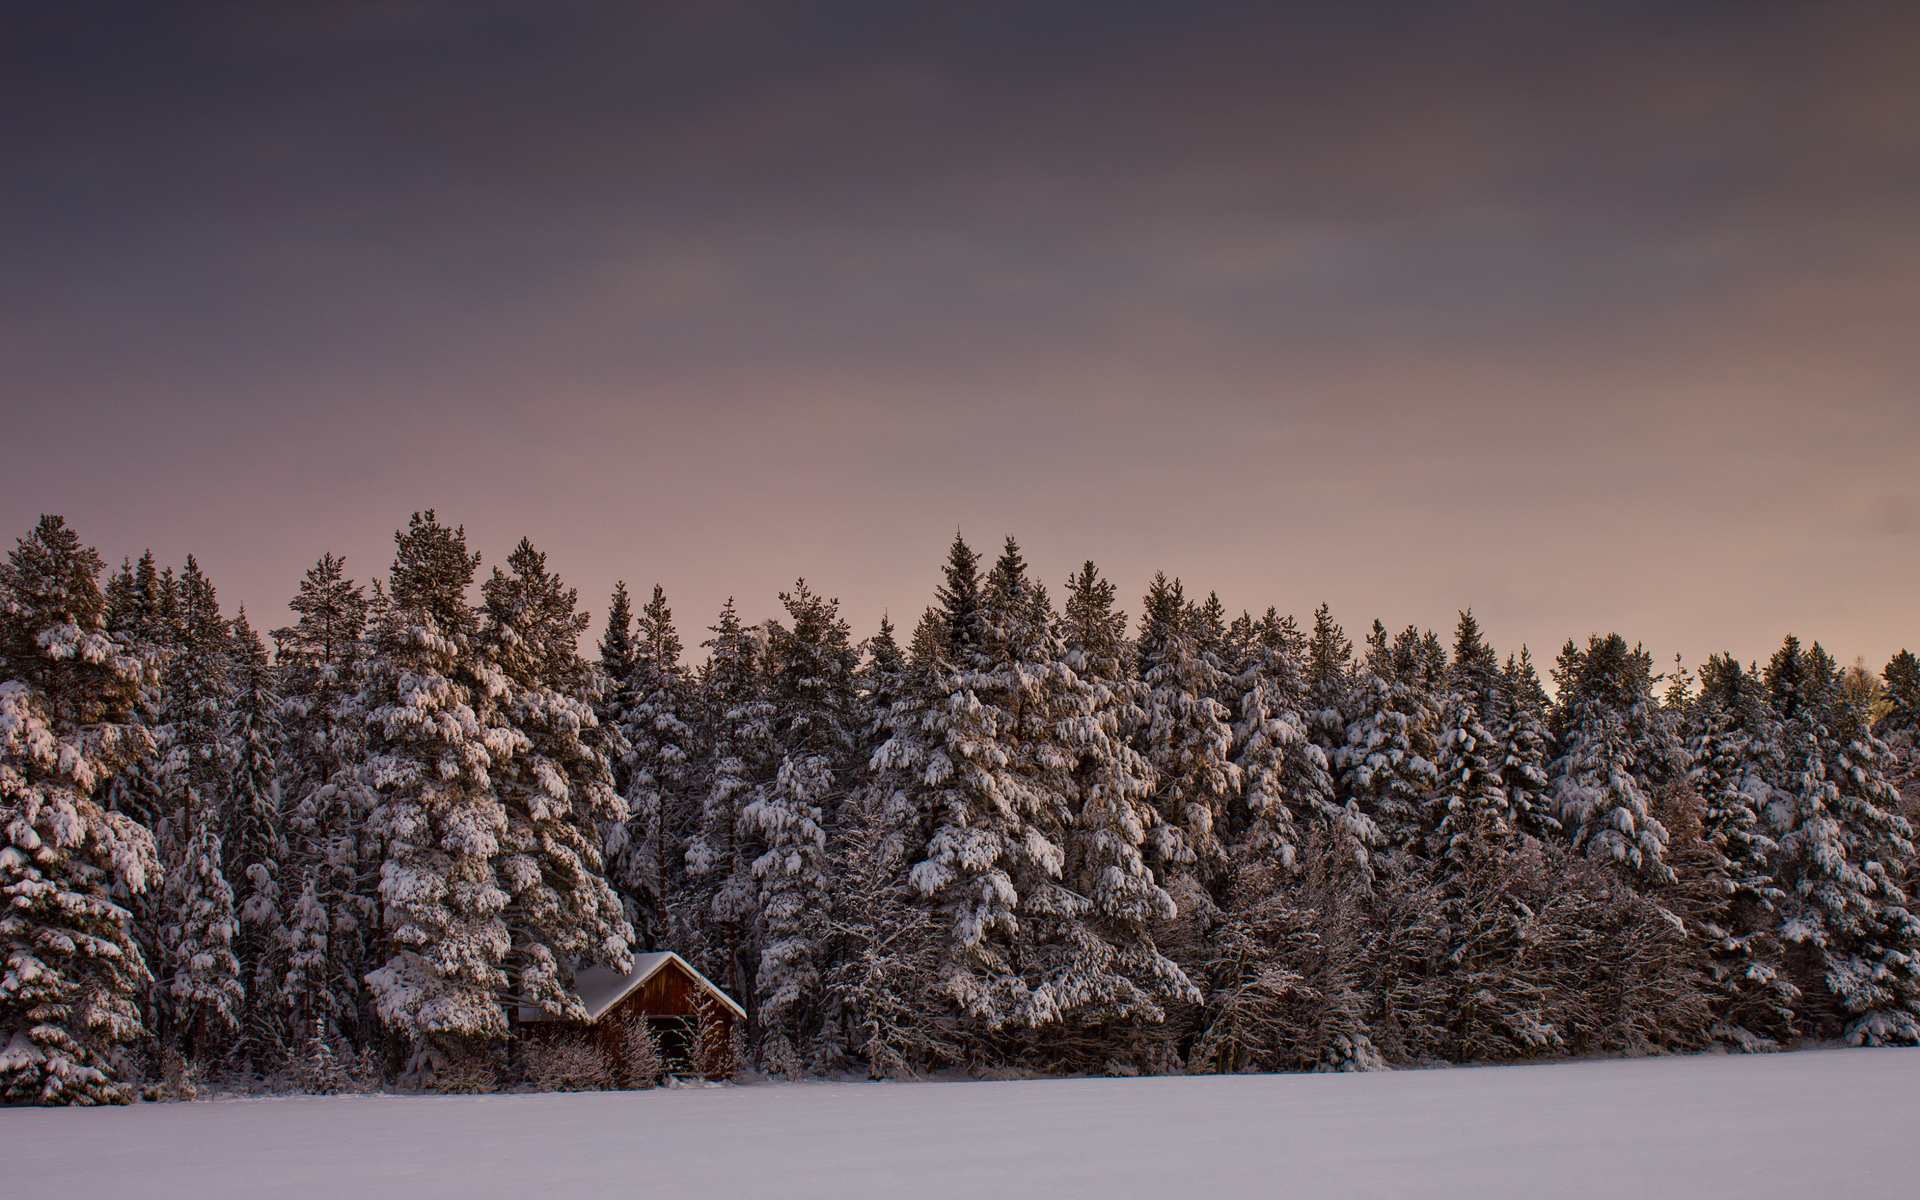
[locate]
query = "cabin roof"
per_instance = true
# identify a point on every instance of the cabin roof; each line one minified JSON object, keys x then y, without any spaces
{"x":600,"y":989}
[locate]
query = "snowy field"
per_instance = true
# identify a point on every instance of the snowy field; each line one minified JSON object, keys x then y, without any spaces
{"x":1822,"y":1123}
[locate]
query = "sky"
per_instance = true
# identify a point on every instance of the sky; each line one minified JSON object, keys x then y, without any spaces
{"x":1590,"y":317}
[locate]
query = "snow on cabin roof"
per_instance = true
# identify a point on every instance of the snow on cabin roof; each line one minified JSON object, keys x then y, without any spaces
{"x":600,"y":989}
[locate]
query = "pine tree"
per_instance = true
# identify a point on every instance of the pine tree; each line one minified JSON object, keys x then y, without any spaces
{"x":739,"y":730}
{"x":1288,"y":778}
{"x":1731,"y":740}
{"x":1618,"y":747}
{"x":435,"y":734}
{"x":1845,"y":853}
{"x":555,"y":788}
{"x":616,"y":644}
{"x":1387,"y":764}
{"x":254,"y":838}
{"x":655,"y":713}
{"x":1107,"y":966}
{"x":816,"y":733}
{"x":1519,"y":720}
{"x":1902,"y":680}
{"x":198,"y":920}
{"x":1186,"y":736}
{"x":73,"y":974}
{"x":1467,"y":799}
{"x":331,"y":882}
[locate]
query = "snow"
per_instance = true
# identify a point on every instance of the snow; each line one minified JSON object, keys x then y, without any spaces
{"x":1818,"y":1123}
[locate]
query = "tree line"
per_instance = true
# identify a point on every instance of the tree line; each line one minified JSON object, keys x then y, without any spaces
{"x":1033,"y":838}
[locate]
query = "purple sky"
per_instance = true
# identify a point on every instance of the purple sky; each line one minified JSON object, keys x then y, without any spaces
{"x":1591,"y":320}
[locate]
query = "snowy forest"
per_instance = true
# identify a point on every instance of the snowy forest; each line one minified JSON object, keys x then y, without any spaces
{"x":1028,"y":836}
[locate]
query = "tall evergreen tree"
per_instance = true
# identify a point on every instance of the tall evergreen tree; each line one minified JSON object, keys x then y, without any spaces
{"x":1288,"y":778}
{"x":73,"y":974}
{"x":658,"y":772}
{"x":556,"y":788}
{"x":199,"y":919}
{"x":331,"y":892}
{"x":1617,"y":747}
{"x":434,"y":735}
{"x":1845,"y":854}
{"x":492,"y":779}
{"x":1387,"y":764}
{"x":1731,"y":739}
{"x":255,"y":842}
{"x":1186,"y":735}
{"x":739,"y":731}
{"x":1107,"y":965}
{"x":817,"y":735}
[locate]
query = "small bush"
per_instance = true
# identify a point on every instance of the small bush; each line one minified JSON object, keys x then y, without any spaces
{"x":641,"y":1063}
{"x":566,"y":1063}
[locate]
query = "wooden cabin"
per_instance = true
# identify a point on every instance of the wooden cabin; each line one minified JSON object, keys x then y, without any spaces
{"x":691,"y":1017}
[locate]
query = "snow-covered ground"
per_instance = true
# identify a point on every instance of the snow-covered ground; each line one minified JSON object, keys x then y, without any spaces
{"x":1842,"y":1123}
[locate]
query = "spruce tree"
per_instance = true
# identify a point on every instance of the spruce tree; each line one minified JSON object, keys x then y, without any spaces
{"x":254,"y":839}
{"x":817,"y":734}
{"x":555,"y":787}
{"x":658,"y":772}
{"x":199,"y":917}
{"x":1845,"y":855}
{"x":73,"y":974}
{"x":1902,"y":681}
{"x":1288,"y":779}
{"x":738,"y":728}
{"x":331,"y":889}
{"x":1519,"y":720}
{"x":1731,"y":739}
{"x":1186,"y":736}
{"x":1105,"y":965}
{"x":1617,"y":747}
{"x":435,"y":734}
{"x":1387,"y":764}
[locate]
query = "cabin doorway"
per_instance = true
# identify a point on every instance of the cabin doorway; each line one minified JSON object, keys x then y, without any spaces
{"x":676,"y":1043}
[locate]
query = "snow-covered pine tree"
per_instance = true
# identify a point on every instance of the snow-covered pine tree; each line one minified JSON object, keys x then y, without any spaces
{"x":616,"y":648}
{"x":1387,"y":765}
{"x":1185,"y":736}
{"x":1113,"y":782}
{"x":555,"y":787}
{"x":1520,"y":724}
{"x":659,"y":771}
{"x":1617,"y":747}
{"x":1729,"y":738}
{"x":1902,"y":681}
{"x":880,"y":683}
{"x":817,"y":735}
{"x":199,"y":920}
{"x":1845,"y":856}
{"x":256,"y":848}
{"x":994,"y":786}
{"x":435,"y":734}
{"x":1106,"y":966}
{"x":738,"y":729}
{"x":73,"y":974}
{"x":331,"y":889}
{"x":1288,"y":779}
{"x":1469,"y":798}
{"x":1899,"y":727}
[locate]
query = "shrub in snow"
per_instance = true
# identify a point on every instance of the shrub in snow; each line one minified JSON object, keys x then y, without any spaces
{"x":569,"y":1061}
{"x":641,"y":1064}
